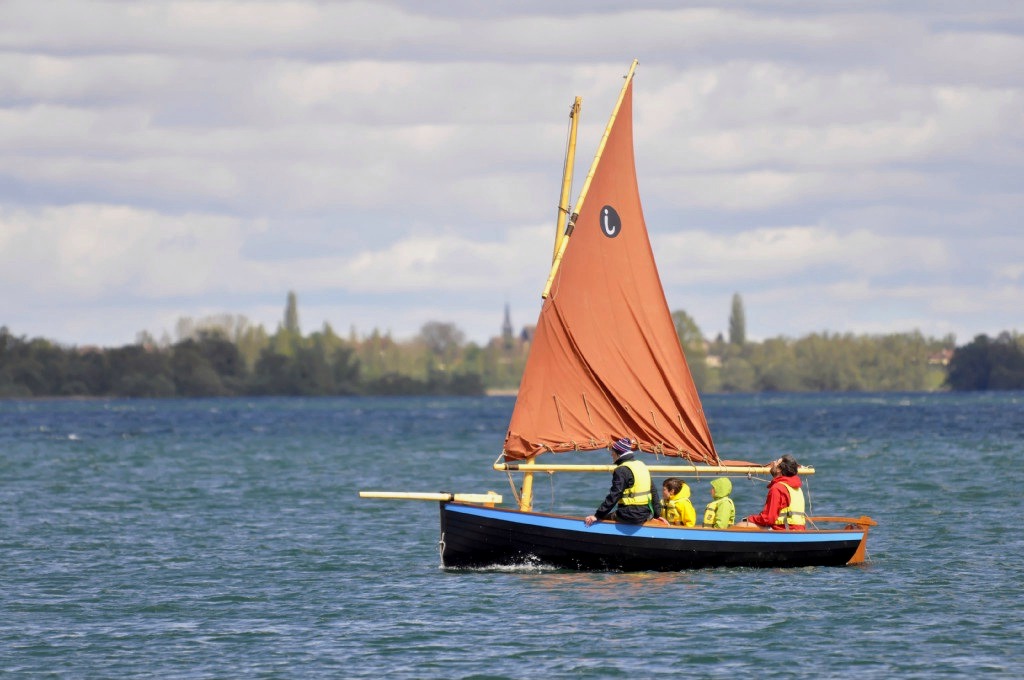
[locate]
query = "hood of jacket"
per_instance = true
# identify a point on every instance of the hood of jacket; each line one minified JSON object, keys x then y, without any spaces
{"x":721,"y":487}
{"x":683,"y":493}
{"x":792,"y":480}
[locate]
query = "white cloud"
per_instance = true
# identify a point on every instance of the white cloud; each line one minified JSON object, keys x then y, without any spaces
{"x":1013,"y":272}
{"x":769,"y":255}
{"x":85,"y":252}
{"x":845,"y":168}
{"x":752,"y":115}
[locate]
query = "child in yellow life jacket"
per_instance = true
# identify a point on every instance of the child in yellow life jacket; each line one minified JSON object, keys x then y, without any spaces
{"x":721,"y":512}
{"x":676,"y":507}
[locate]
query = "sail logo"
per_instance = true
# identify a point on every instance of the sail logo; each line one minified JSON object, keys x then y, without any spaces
{"x":611,"y":223}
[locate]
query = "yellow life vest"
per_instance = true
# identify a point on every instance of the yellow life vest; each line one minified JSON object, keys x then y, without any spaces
{"x":640,"y":492}
{"x":720,"y":513}
{"x":679,"y":510}
{"x":794,"y":512}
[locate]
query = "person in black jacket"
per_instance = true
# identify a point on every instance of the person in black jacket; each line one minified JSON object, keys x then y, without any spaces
{"x":631,"y":490}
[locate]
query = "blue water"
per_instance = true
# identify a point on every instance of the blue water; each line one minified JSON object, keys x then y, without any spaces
{"x":225,"y":538}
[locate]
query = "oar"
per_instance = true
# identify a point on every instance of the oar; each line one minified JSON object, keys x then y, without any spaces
{"x":489,"y":498}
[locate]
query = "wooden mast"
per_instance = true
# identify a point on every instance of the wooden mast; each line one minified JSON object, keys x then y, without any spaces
{"x":567,"y":170}
{"x":526,"y":492}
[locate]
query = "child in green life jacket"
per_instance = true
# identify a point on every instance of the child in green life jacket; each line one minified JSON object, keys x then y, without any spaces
{"x":721,"y":512}
{"x":676,"y":507}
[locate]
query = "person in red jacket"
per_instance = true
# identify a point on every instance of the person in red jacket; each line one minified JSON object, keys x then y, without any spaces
{"x":784,"y":506}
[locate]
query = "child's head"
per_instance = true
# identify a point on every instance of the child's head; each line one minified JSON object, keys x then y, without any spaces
{"x":671,"y":487}
{"x":721,"y":487}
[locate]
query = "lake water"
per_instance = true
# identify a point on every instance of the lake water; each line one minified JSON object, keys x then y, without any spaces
{"x":225,"y":538}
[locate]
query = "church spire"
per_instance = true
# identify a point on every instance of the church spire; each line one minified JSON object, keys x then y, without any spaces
{"x":506,"y":328}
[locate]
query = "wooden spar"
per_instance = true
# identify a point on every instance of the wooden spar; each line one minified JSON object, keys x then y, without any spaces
{"x":567,"y":170}
{"x":489,"y":498}
{"x":862,"y":521}
{"x":586,"y":184}
{"x":529,"y":468}
{"x":526,"y":491}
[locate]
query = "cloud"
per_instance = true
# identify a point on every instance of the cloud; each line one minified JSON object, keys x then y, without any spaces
{"x":770,"y":256}
{"x":84,"y":252}
{"x":87,"y":254}
{"x":846,"y":166}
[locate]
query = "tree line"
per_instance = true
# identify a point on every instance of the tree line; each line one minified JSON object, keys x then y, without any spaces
{"x":831,"y":362}
{"x":227,"y":356}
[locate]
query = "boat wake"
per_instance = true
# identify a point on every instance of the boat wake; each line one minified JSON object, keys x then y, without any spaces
{"x":529,"y":565}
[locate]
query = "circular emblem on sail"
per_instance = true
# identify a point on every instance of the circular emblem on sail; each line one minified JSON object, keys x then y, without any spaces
{"x":611,"y":223}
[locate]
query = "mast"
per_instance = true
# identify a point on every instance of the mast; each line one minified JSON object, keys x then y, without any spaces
{"x":564,"y":241}
{"x":567,"y":170}
{"x":526,"y":492}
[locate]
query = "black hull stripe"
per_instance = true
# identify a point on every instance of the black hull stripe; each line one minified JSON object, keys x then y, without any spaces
{"x":480,"y":537}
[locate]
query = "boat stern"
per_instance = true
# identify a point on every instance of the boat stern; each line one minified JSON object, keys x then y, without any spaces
{"x":863,"y":524}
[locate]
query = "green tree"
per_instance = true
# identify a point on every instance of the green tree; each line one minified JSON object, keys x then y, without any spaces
{"x":377,"y":355}
{"x":694,"y":347}
{"x":208,"y":366}
{"x":986,"y":364}
{"x":251,"y":341}
{"x":310,"y":374}
{"x":442,"y":341}
{"x":775,"y":366}
{"x":138,"y":371}
{"x":826,"y":363}
{"x":270,"y":375}
{"x":737,"y":322}
{"x":291,"y":314}
{"x":88,"y":374}
{"x":341,"y":359}
{"x":737,"y":375}
{"x":346,"y":370}
{"x":193,"y":374}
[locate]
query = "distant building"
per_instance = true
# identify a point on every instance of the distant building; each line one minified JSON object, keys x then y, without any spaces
{"x":507,"y":334}
{"x":510,"y":341}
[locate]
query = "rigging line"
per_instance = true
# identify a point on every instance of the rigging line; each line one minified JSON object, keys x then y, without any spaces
{"x":807,"y":497}
{"x":511,"y":482}
{"x":512,"y":485}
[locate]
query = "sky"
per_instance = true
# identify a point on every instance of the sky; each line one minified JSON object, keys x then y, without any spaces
{"x":845,"y":166}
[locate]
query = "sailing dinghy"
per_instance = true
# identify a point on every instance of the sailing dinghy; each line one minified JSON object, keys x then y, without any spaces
{"x":606,"y":362}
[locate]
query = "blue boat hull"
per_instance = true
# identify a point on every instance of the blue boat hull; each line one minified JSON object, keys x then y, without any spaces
{"x":476,"y":536}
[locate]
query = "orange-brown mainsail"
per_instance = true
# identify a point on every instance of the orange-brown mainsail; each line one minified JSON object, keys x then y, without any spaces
{"x":605,"y":361}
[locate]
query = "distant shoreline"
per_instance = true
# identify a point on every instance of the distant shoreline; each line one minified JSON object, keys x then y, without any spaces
{"x":494,"y":392}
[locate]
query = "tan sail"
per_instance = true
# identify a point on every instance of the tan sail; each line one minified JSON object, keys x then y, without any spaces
{"x":605,"y":361}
